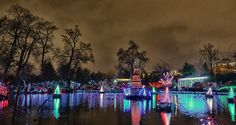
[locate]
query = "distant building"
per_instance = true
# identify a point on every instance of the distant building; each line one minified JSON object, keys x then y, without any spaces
{"x":226,"y":64}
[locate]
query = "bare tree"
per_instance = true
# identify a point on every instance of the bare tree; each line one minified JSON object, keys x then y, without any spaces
{"x":45,"y":44}
{"x":43,"y":51}
{"x":127,"y":58}
{"x":210,"y":56}
{"x":75,"y":52}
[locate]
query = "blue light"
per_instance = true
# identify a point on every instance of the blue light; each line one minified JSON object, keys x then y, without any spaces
{"x":127,"y":91}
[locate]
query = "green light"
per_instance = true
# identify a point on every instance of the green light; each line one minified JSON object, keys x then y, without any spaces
{"x":231,"y":93}
{"x":56,"y":103}
{"x":153,"y":90}
{"x":153,"y":101}
{"x":226,"y":87}
{"x":232,"y":111}
{"x":57,"y":90}
{"x":126,"y":105}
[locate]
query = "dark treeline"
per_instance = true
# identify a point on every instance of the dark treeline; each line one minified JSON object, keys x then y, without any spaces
{"x":27,"y":41}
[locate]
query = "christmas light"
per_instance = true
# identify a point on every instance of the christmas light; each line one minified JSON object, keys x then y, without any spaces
{"x":57,"y":90}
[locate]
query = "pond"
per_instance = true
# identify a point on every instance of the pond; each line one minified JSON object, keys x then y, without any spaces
{"x":90,"y":108}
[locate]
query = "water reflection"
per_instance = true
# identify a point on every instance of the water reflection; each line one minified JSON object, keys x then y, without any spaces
{"x":192,"y":105}
{"x":56,"y":107}
{"x":126,"y":105}
{"x":231,"y":108}
{"x":3,"y":104}
{"x":135,"y":113}
{"x":125,"y":111}
{"x":101,"y":100}
{"x":210,"y":104}
{"x":165,"y":118}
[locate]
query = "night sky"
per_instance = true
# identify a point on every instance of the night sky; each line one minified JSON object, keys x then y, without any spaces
{"x":171,"y":30}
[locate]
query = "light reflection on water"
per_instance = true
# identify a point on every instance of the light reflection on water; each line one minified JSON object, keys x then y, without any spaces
{"x":194,"y":106}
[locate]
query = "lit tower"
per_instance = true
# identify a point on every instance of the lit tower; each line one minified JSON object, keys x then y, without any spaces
{"x":136,"y":79}
{"x":136,"y":90}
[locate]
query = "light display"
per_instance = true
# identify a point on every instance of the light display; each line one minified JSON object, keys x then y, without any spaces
{"x":231,"y":93}
{"x":165,"y":118}
{"x":144,"y":92}
{"x":57,"y":90}
{"x":56,"y":103}
{"x":135,"y":113}
{"x":3,"y":90}
{"x":101,"y":90}
{"x":192,"y":105}
{"x":232,"y":111}
{"x":101,"y":100}
{"x":226,"y":87}
{"x":136,"y":90}
{"x":209,"y":92}
{"x":210,"y":105}
{"x":153,"y":101}
{"x":3,"y":104}
{"x":126,"y":105}
{"x":153,"y":90}
{"x":127,"y":91}
{"x":167,"y":81}
{"x":188,"y":82}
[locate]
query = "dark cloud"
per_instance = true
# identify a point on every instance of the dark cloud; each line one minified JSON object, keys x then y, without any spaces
{"x":172,"y":30}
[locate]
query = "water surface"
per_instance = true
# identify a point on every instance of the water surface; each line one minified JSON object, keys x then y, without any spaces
{"x":85,"y":108}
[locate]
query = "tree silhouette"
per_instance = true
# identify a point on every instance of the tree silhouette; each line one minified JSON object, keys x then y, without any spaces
{"x":127,"y":58}
{"x":210,"y":56}
{"x":75,"y":52}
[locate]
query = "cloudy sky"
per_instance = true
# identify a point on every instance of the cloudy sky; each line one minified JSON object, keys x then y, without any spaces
{"x":169,"y":30}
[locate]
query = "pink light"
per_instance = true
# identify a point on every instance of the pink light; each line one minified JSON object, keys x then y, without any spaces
{"x":3,"y":90}
{"x":167,"y":81}
{"x":3,"y":104}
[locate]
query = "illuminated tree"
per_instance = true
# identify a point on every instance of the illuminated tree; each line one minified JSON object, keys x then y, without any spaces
{"x":127,"y":58}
